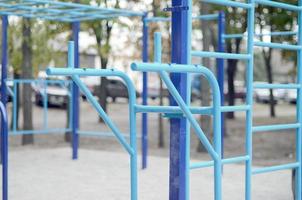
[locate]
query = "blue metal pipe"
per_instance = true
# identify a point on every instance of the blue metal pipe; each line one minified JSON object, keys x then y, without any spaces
{"x":279,"y":5}
{"x":278,"y":46}
{"x":74,"y":62}
{"x":276,"y":86}
{"x":230,"y":3}
{"x":276,"y":168}
{"x":145,"y":94}
{"x":276,"y":127}
{"x":40,"y":132}
{"x":221,"y":55}
{"x":4,"y":60}
{"x":224,"y":161}
{"x":4,"y":151}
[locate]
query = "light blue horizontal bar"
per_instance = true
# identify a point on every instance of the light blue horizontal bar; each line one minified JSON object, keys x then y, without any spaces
{"x":276,"y":168}
{"x":275,"y":127}
{"x":168,"y":19}
{"x":229,"y":3}
{"x":276,"y":86}
{"x":38,"y":81}
{"x":221,"y":55}
{"x":102,"y":134}
{"x":278,"y":45}
{"x":224,"y":161}
{"x":277,"y":33}
{"x":278,"y":5}
{"x":40,"y":132}
{"x":177,"y":110}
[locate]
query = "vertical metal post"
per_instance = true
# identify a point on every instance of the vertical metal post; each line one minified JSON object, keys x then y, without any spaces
{"x":249,"y":98}
{"x":75,"y":93}
{"x":4,"y":60}
{"x":298,"y":184}
{"x":220,"y":70}
{"x":179,"y":127}
{"x":145,"y":94}
{"x":4,"y":128}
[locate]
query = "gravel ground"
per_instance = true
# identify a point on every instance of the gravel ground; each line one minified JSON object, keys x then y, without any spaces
{"x":50,"y":174}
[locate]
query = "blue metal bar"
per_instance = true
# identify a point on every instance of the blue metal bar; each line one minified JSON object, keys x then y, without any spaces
{"x":278,"y":45}
{"x":279,"y":5}
{"x":179,"y":127}
{"x":45,"y":106}
{"x":15,"y":107}
{"x":224,"y":161}
{"x":277,"y":33}
{"x":131,"y":149}
{"x":4,"y":151}
{"x":276,"y":127}
{"x":249,"y":98}
{"x":168,"y":19}
{"x":298,"y":181}
{"x":220,"y":71}
{"x":276,"y":168}
{"x":74,"y":62}
{"x":197,"y":110}
{"x":229,"y":3}
{"x":221,"y":55}
{"x":276,"y":86}
{"x":145,"y":94}
{"x":39,"y":132}
{"x":4,"y":58}
{"x":102,"y":134}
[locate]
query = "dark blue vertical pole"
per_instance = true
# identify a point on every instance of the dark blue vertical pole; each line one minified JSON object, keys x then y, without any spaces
{"x":145,"y":95}
{"x":4,"y":128}
{"x":4,"y":60}
{"x":179,"y":127}
{"x":75,"y":93}
{"x":220,"y":70}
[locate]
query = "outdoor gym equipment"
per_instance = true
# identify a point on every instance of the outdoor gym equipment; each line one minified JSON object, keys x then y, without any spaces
{"x":220,"y":18}
{"x":178,"y":85}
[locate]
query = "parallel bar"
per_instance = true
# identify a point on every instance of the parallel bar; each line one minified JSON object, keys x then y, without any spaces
{"x":278,"y":45}
{"x":102,"y":134}
{"x":276,"y":86}
{"x":224,"y":161}
{"x":40,"y":132}
{"x":275,"y":127}
{"x":279,"y":5}
{"x":229,"y":3}
{"x":276,"y":168}
{"x":168,"y":19}
{"x":277,"y":33}
{"x":221,"y":55}
{"x":177,"y":110}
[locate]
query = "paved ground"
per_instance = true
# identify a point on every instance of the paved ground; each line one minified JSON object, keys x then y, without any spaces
{"x":50,"y":174}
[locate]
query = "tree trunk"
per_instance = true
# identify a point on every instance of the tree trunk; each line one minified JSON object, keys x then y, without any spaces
{"x":269,"y":73}
{"x":161,"y":140}
{"x":205,"y":121}
{"x":17,"y":95}
{"x":102,"y":90}
{"x":27,"y":74}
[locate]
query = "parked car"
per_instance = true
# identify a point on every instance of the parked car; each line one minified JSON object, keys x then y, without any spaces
{"x":115,"y":88}
{"x":91,"y":82}
{"x":56,"y":91}
{"x":263,"y":95}
{"x":291,"y":96}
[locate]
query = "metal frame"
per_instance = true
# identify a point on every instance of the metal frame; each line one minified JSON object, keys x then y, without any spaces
{"x":60,"y":11}
{"x":220,"y":17}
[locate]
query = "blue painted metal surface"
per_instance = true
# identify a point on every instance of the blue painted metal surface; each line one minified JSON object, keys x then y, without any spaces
{"x":73,"y":62}
{"x":44,"y":84}
{"x":61,"y":11}
{"x":4,"y":151}
{"x":179,"y":127}
{"x":145,"y":93}
{"x":4,"y":60}
{"x":220,"y":70}
{"x":130,"y":148}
